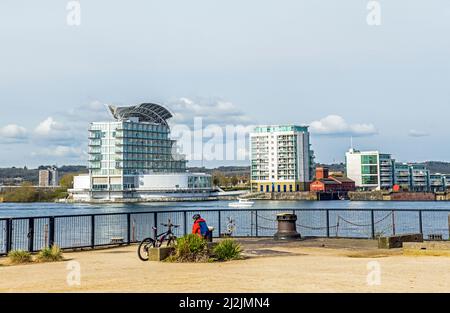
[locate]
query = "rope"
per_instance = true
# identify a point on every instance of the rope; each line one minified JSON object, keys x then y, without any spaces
{"x":364,"y":225}
{"x":330,"y":227}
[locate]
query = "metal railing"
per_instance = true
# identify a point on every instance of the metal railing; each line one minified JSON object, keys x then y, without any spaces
{"x":96,"y":230}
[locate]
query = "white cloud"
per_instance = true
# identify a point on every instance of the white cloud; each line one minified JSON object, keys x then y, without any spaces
{"x":61,"y":152}
{"x":55,"y":132}
{"x":48,"y":127}
{"x":13,"y":133}
{"x":86,"y":113}
{"x":417,"y":133}
{"x":212,"y":112}
{"x":335,"y":125}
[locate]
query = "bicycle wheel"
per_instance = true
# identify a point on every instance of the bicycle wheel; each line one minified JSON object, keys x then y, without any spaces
{"x":145,"y":244}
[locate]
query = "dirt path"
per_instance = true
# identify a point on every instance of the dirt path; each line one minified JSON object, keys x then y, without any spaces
{"x":318,"y":267}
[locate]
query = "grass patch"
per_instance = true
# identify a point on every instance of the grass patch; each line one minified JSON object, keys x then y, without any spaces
{"x":50,"y":254}
{"x":19,"y":257}
{"x":190,"y":248}
{"x":227,"y":249}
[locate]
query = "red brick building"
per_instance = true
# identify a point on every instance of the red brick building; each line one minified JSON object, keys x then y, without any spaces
{"x":326,"y":183}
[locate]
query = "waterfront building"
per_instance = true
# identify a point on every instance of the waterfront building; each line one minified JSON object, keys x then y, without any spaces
{"x":402,"y":175}
{"x":281,"y":158}
{"x":419,"y":178}
{"x":416,"y":177}
{"x":437,"y":182}
{"x":48,"y":177}
{"x":447,"y":181}
{"x":371,"y":170}
{"x":324,"y":182}
{"x":133,"y":157}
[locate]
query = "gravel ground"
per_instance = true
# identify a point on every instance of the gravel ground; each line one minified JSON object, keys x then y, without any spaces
{"x":312,"y":265}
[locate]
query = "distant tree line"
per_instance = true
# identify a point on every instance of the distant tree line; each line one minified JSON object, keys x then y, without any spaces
{"x":16,"y":176}
{"x":27,"y":192}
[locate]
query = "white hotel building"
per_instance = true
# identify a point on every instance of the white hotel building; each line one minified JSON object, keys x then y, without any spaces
{"x":133,"y":158}
{"x":281,"y":158}
{"x":371,"y":170}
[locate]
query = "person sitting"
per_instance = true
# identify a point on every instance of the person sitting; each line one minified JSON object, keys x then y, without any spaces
{"x":200,"y":228}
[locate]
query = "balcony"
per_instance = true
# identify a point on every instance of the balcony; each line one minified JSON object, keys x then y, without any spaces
{"x":95,"y":142}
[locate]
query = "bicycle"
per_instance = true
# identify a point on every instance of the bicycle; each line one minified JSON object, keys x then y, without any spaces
{"x":157,"y":240}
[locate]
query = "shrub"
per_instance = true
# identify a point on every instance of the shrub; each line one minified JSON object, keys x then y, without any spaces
{"x":48,"y":254}
{"x":190,"y":248}
{"x":227,"y":249}
{"x":19,"y":257}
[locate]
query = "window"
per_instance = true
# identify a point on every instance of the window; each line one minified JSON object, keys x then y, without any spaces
{"x":369,"y":159}
{"x":369,"y":169}
{"x":370,"y":180}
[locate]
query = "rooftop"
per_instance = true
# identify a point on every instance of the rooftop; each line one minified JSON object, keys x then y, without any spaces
{"x":145,"y":112}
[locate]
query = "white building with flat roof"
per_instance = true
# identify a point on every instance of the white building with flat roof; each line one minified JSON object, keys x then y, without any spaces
{"x":281,"y":158}
{"x":371,"y":170}
{"x":133,"y":157}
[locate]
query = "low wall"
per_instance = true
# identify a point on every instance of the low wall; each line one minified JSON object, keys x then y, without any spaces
{"x":397,"y":196}
{"x":412,"y":196}
{"x":366,"y":195}
{"x":300,"y":195}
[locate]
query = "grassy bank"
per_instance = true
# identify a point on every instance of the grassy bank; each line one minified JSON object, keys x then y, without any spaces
{"x":28,"y":193}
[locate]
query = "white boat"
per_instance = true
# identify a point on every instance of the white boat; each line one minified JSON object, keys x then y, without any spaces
{"x":242,"y":203}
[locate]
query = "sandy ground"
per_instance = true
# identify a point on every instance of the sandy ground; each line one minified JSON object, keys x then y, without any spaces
{"x":320,"y":265}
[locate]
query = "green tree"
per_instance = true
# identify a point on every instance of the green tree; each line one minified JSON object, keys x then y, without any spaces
{"x":67,"y":181}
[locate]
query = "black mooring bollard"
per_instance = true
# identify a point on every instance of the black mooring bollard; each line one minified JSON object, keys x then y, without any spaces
{"x":287,"y":229}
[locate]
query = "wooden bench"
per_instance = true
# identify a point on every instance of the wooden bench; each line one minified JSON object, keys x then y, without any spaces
{"x":117,"y":241}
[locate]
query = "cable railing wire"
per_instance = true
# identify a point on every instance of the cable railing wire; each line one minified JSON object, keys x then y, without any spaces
{"x":93,"y":230}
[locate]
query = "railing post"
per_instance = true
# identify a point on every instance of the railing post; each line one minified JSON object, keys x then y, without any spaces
{"x":51,"y":231}
{"x":92,"y":231}
{"x":420,"y":222}
{"x":251,"y":223}
{"x":256,"y":223}
{"x":393,"y":222}
{"x":155,"y":219}
{"x":31,"y":234}
{"x":328,"y":223}
{"x":220,"y":223}
{"x":128,"y":228}
{"x":185,"y":223}
{"x":372,"y":222}
{"x":9,"y":235}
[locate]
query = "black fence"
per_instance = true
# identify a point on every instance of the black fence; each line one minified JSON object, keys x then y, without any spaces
{"x":96,"y":230}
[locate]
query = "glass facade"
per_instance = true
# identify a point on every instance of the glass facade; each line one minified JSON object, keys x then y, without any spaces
{"x":131,"y":148}
{"x":281,"y":156}
{"x":369,"y":169}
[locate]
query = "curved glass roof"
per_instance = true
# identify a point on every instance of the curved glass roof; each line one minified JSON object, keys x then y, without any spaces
{"x":146,"y":112}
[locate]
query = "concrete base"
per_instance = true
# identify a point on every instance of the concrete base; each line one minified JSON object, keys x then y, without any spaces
{"x":436,"y":248}
{"x":212,"y":245}
{"x":287,"y":236}
{"x":159,"y":254}
{"x":397,"y":241}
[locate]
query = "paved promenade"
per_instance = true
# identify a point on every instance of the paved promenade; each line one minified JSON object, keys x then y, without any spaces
{"x":319,"y":265}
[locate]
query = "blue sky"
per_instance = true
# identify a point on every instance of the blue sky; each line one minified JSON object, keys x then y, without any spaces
{"x":313,"y":62}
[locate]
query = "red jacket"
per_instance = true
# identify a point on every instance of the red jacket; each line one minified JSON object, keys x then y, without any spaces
{"x":196,"y":227}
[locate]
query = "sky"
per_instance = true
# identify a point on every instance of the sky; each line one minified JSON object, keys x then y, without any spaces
{"x":316,"y":63}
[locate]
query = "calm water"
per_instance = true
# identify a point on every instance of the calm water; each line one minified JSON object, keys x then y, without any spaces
{"x":44,"y":209}
{"x":354,"y":221}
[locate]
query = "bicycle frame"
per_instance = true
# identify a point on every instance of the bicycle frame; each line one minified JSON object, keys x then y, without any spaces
{"x":161,"y":237}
